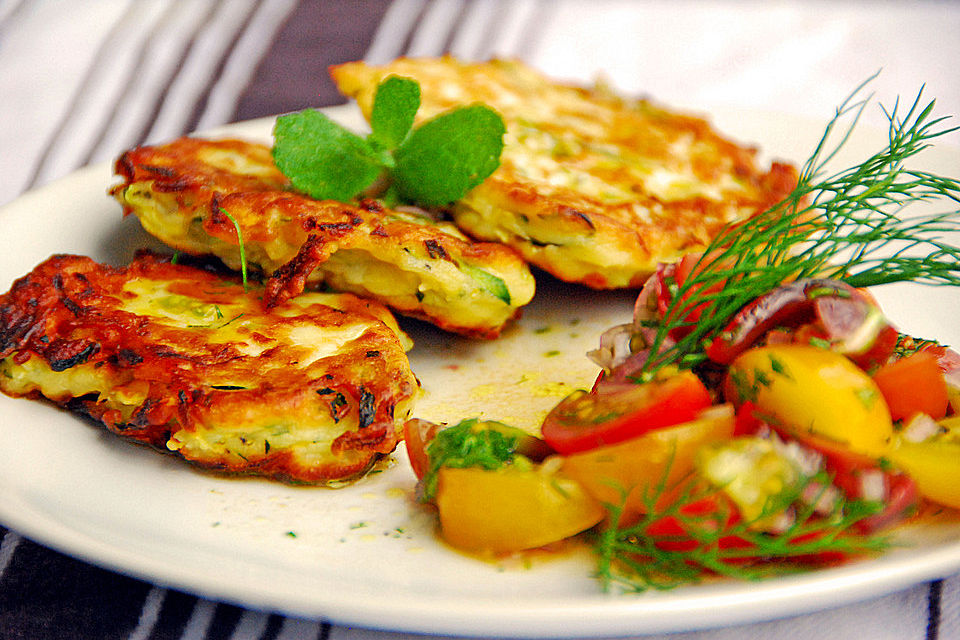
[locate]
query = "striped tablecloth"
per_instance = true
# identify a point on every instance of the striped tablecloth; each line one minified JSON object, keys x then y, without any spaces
{"x":82,"y":81}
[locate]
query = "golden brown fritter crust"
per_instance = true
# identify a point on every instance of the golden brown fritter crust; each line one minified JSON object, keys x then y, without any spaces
{"x":186,"y":192}
{"x":184,"y":360}
{"x":592,"y":187}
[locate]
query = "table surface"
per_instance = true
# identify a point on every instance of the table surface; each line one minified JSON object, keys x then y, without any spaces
{"x":81,"y":82}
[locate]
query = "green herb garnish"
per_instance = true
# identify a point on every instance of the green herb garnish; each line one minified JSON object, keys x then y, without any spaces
{"x":646,"y":555}
{"x":431,"y":165}
{"x":470,"y":443}
{"x":846,"y":226}
{"x":243,"y":255}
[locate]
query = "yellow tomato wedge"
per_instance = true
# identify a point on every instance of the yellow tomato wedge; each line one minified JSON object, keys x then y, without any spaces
{"x":640,"y":465}
{"x":934,"y":465}
{"x":510,"y":509}
{"x":813,"y":390}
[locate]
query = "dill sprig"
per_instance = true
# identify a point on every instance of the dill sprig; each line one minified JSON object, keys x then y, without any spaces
{"x":850,"y":226}
{"x":640,"y":558}
{"x":243,"y":255}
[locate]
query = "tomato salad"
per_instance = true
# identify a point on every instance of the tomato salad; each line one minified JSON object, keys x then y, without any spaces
{"x":759,"y":414}
{"x":812,"y":426}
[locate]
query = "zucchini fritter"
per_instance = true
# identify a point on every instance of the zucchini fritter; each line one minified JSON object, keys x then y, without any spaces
{"x":179,"y":358}
{"x":592,"y":187}
{"x":185,"y":193}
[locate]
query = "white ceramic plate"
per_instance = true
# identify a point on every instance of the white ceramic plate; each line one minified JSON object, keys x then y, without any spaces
{"x":367,"y":555}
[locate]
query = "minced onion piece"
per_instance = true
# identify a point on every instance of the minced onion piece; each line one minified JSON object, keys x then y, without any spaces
{"x":863,"y":335}
{"x":823,"y":498}
{"x":808,"y":460}
{"x":614,"y":346}
{"x":782,"y":521}
{"x":920,"y":428}
{"x":873,"y":485}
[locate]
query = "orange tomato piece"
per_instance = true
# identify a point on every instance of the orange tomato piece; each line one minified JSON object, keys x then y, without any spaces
{"x":507,"y":510}
{"x":913,"y":384}
{"x":660,"y":458}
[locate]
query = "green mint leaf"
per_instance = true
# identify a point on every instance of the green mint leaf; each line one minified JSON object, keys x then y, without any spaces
{"x":447,"y":156}
{"x":394,"y":108}
{"x":321,"y":158}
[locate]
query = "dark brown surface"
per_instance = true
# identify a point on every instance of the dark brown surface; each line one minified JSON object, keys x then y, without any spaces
{"x":318,"y":34}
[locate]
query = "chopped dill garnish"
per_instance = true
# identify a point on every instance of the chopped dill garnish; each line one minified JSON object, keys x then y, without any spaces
{"x":243,"y":256}
{"x":703,"y":539}
{"x":236,"y":317}
{"x":466,"y":444}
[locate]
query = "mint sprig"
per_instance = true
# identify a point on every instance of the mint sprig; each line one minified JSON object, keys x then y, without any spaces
{"x":431,"y":165}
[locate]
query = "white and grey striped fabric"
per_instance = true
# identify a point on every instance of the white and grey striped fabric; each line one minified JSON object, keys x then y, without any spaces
{"x":82,"y":81}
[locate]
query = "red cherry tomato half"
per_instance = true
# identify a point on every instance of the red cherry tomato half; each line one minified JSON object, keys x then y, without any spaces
{"x":614,"y":413}
{"x":684,"y":534}
{"x":669,"y":533}
{"x":417,"y":434}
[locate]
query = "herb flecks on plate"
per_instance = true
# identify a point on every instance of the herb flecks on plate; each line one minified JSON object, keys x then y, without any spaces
{"x":432,"y":165}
